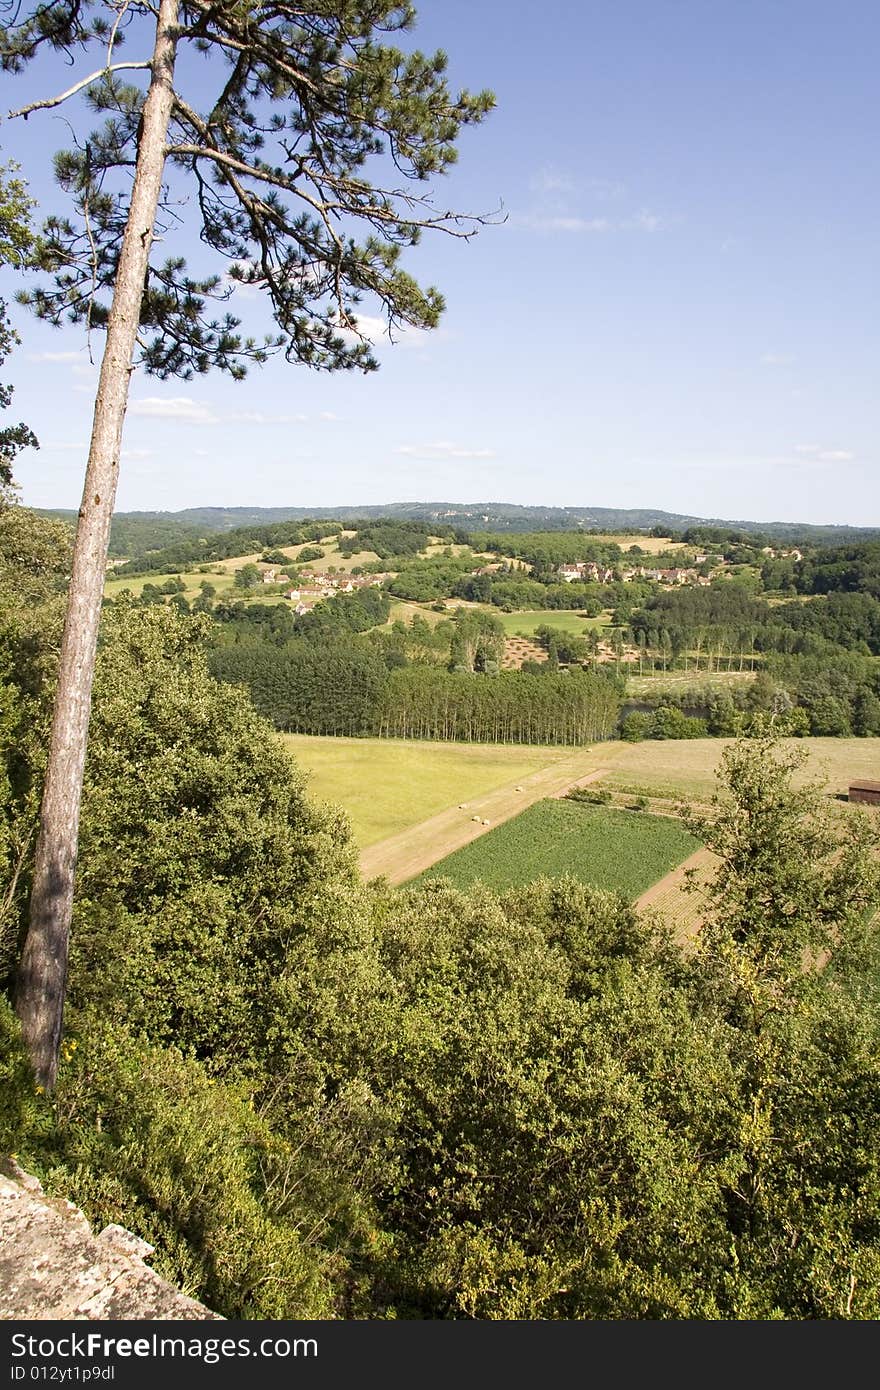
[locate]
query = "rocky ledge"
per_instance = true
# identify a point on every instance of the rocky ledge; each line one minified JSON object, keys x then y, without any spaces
{"x":52,"y":1265}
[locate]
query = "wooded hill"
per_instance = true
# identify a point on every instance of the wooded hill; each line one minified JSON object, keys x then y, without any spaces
{"x":136,"y":533}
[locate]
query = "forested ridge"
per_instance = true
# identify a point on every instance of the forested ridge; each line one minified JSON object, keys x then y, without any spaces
{"x":135,"y":533}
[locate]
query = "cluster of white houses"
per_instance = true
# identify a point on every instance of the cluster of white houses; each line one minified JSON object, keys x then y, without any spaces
{"x":587,"y":570}
{"x":315,"y":586}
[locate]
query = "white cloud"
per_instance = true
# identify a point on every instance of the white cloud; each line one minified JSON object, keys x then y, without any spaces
{"x":375,"y":330}
{"x":443,"y":449}
{"x":643,"y":221}
{"x":182,"y":408}
{"x":55,"y":357}
{"x":776,"y":359}
{"x":138,"y":453}
{"x":567,"y":224}
{"x":836,"y":456}
{"x":256,"y":417}
{"x":551,"y":181}
{"x":80,"y":448}
{"x":808,"y":448}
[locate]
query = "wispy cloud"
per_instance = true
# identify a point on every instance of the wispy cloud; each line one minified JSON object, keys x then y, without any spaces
{"x":606,"y":190}
{"x":182,"y":408}
{"x":816,"y":453}
{"x":138,"y":453}
{"x":442,"y":449}
{"x":643,"y":221}
{"x":56,"y":357}
{"x":776,"y":359}
{"x":187,"y":411}
{"x":542,"y":223}
{"x":376,"y":331}
{"x":257,"y":417}
{"x":550,"y":180}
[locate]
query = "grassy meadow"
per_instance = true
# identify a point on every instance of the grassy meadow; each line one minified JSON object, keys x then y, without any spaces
{"x":682,"y":682}
{"x":623,"y":850}
{"x":560,"y":619}
{"x":686,"y":767}
{"x":388,"y":785}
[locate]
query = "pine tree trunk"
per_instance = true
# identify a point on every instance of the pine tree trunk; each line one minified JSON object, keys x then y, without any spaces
{"x":42,"y":973}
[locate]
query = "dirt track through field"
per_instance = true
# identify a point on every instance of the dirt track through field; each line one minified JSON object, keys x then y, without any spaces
{"x":402,"y":856}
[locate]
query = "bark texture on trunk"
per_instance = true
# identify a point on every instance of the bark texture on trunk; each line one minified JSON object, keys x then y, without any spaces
{"x":42,"y":973}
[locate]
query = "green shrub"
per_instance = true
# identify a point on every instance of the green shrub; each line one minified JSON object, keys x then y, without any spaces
{"x":593,"y":796}
{"x":144,"y":1137}
{"x":18,"y":1098}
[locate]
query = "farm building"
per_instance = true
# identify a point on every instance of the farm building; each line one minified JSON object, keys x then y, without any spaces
{"x":866,"y":792}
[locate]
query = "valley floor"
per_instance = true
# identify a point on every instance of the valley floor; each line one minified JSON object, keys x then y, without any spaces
{"x":413,"y":803}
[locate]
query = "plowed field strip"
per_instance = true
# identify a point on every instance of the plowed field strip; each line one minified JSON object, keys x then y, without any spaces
{"x":681,"y":909}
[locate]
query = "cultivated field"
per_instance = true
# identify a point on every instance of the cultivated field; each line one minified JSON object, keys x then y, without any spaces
{"x":389,"y":785}
{"x":623,"y":850}
{"x":679,"y":898}
{"x":412,"y":803}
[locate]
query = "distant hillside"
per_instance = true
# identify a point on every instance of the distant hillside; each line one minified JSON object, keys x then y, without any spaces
{"x":136,"y":533}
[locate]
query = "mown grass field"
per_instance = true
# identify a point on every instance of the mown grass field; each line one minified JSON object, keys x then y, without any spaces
{"x":403,"y":611}
{"x":388,"y":785}
{"x":686,"y":767}
{"x":563,"y":620}
{"x":223,"y":582}
{"x":651,"y":545}
{"x":682,"y":682}
{"x":623,"y":850}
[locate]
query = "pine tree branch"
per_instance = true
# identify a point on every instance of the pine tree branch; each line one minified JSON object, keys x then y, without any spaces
{"x":49,"y":102}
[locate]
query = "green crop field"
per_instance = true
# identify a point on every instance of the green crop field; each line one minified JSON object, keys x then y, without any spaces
{"x":388,"y":785}
{"x":623,"y":850}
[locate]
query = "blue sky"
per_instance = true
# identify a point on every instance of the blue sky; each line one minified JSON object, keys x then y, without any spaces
{"x":680,"y":310}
